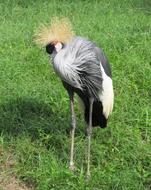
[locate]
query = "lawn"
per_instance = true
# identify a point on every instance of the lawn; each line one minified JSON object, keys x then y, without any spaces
{"x":34,"y":107}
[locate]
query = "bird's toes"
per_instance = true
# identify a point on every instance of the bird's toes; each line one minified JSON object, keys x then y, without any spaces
{"x":88,"y":176}
{"x":72,"y":168}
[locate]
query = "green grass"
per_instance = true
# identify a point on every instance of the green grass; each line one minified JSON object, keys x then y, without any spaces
{"x":34,"y":111}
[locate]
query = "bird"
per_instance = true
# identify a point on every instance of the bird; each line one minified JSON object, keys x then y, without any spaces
{"x":84,"y":70}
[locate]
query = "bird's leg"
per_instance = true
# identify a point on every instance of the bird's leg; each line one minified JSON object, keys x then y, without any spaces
{"x":89,"y":132}
{"x":73,"y":126}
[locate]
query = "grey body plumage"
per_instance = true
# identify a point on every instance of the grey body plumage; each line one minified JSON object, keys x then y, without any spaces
{"x":78,"y":64}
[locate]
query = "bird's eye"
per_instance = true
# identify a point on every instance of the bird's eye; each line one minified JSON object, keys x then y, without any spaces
{"x":50,"y":48}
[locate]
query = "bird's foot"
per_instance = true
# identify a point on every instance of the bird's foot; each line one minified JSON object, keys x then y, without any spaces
{"x":88,"y":176}
{"x":72,"y":167}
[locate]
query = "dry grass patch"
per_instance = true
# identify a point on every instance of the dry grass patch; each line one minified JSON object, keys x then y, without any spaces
{"x":7,"y":180}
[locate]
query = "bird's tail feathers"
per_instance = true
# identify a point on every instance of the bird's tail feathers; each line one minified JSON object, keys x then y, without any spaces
{"x":98,"y":118}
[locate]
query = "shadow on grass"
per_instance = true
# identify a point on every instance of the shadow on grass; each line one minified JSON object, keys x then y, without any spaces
{"x":30,"y":116}
{"x":22,"y":118}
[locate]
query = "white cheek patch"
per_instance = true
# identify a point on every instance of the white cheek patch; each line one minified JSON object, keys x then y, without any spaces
{"x":58,"y":47}
{"x":107,"y":95}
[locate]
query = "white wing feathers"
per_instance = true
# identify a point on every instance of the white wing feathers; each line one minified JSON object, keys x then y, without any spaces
{"x":107,"y":95}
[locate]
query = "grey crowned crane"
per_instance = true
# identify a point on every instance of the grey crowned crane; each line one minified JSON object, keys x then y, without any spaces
{"x":84,"y":70}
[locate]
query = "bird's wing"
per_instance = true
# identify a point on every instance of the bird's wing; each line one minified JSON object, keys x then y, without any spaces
{"x":107,"y":94}
{"x":88,"y":65}
{"x":103,"y":60}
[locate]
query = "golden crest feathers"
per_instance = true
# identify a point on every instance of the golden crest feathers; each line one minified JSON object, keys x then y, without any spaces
{"x":60,"y":30}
